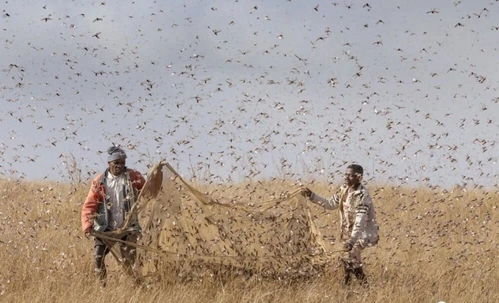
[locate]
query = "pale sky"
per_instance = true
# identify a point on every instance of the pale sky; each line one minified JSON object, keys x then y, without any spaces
{"x":228,"y":90}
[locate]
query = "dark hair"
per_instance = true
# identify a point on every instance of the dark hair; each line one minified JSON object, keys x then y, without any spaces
{"x":356,"y":168}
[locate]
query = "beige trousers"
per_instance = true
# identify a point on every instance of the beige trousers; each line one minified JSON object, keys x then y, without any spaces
{"x":352,"y":258}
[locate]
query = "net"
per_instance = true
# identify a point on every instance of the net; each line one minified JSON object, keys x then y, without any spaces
{"x":189,"y":233}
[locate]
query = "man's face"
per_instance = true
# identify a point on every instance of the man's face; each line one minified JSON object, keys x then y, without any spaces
{"x":352,"y":178}
{"x":117,"y":167}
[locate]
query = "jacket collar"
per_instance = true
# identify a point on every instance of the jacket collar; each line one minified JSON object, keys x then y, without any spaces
{"x":107,"y":173}
{"x":113,"y":177}
{"x":358,"y":191}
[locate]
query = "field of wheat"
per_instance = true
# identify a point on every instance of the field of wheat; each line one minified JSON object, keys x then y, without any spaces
{"x":436,"y":245}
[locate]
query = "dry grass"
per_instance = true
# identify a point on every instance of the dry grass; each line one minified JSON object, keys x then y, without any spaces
{"x":435,"y":245}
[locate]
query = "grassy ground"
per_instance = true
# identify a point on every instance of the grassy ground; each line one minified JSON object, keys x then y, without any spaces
{"x":436,"y":245}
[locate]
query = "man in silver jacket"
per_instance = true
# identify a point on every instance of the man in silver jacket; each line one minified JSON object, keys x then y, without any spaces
{"x":357,"y":219}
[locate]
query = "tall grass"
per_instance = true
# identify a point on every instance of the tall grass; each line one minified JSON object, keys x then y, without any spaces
{"x":436,"y":245}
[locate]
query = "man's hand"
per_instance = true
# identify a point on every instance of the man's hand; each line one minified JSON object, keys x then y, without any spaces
{"x":347,"y":246}
{"x":88,"y":232}
{"x":306,"y":192}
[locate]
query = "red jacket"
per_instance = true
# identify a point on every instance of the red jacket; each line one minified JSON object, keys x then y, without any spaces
{"x":98,"y":192}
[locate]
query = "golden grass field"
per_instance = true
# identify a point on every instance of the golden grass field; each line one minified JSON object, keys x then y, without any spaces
{"x":435,"y":245}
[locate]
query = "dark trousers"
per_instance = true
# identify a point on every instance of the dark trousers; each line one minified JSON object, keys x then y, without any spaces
{"x":128,"y":253}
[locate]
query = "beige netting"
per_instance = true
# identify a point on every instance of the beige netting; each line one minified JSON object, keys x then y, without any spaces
{"x":189,"y":233}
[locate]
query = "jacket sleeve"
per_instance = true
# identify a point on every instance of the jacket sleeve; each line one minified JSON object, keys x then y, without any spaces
{"x":332,"y":203}
{"x":360,"y":221}
{"x":90,"y":205}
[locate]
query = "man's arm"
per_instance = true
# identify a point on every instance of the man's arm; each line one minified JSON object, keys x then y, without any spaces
{"x":90,"y":206}
{"x":332,"y":203}
{"x":360,"y":221}
{"x":137,"y":179}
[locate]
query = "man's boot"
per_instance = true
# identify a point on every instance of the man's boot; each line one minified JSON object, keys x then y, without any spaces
{"x":347,"y":273}
{"x":101,"y":275}
{"x":359,"y":274}
{"x":100,"y":270}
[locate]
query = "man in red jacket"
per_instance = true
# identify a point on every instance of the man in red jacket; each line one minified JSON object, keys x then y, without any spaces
{"x":111,"y":196}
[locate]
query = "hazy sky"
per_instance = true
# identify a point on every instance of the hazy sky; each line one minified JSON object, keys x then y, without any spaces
{"x":231,"y":89}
